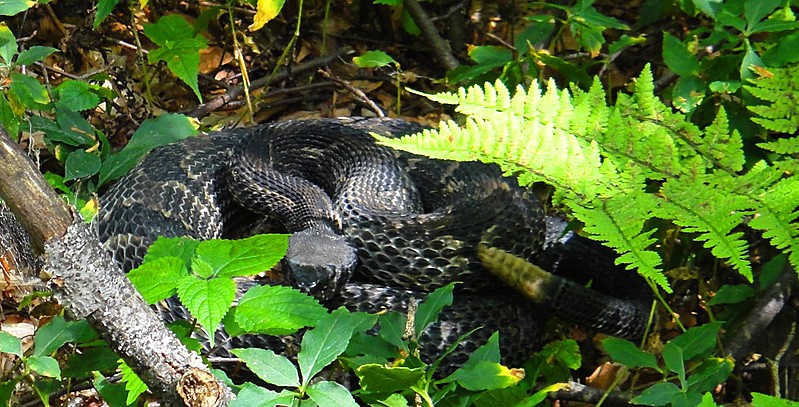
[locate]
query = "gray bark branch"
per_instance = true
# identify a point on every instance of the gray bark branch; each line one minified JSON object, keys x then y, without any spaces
{"x":87,"y":282}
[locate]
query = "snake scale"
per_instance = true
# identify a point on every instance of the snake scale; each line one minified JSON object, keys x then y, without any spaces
{"x":371,"y":227}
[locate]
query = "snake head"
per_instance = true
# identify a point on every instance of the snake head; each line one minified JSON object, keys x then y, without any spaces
{"x":319,"y":262}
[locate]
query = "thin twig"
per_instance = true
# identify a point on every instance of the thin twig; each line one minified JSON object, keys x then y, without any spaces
{"x":234,"y":92}
{"x":359,"y":93}
{"x":441,"y":49}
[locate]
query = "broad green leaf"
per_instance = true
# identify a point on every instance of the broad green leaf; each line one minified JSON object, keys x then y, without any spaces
{"x":34,"y":54}
{"x":133,"y":384}
{"x":104,"y":8}
{"x":488,"y":352}
{"x":379,"y":378}
{"x":277,"y":310}
{"x":487,"y":375}
{"x":688,"y":93}
{"x":160,"y":131}
{"x":677,"y":56}
{"x":707,"y":401}
{"x":324,"y":343}
{"x":8,"y":44}
{"x":491,"y":55}
{"x":76,"y":96}
{"x":784,"y":51}
{"x":391,"y":3}
{"x":660,"y":394}
{"x":232,"y":258}
{"x":392,"y":328}
{"x":251,"y":395}
{"x":698,"y":340}
{"x":585,"y":13}
{"x":764,"y":400}
{"x":6,"y":389}
{"x":754,"y":11}
{"x":751,"y":59}
{"x":113,"y":394}
{"x":179,"y":47}
{"x":732,"y":294}
{"x":158,"y":279}
{"x":28,"y":91}
{"x":373,"y":59}
{"x":675,"y":361}
{"x":75,"y":127}
{"x":13,"y":7}
{"x":709,"y":374}
{"x":538,"y":397}
{"x":201,"y":268}
{"x":57,"y":332}
{"x":626,"y":353}
{"x":181,"y":247}
{"x":270,"y":367}
{"x":431,"y":307}
{"x":207,"y":300}
{"x":330,"y":394}
{"x":95,"y":358}
{"x":709,"y":7}
{"x":265,"y":12}
{"x":10,"y":344}
{"x":8,"y":118}
{"x":44,"y":366}
{"x":80,"y":164}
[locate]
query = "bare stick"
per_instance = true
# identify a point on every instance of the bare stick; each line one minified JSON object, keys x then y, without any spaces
{"x":87,"y":282}
{"x":441,"y":48}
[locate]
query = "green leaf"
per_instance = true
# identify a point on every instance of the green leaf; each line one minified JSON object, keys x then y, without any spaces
{"x":330,"y":394}
{"x":266,"y":10}
{"x":392,"y":328}
{"x":180,"y":247}
{"x":113,"y":394}
{"x":660,"y":394}
{"x":626,"y":353}
{"x":784,"y":51}
{"x":764,"y":400}
{"x":698,"y":340}
{"x":158,"y":279}
{"x":13,"y":7}
{"x":754,"y":11}
{"x":104,"y":8}
{"x":709,"y":7}
{"x":8,"y":118}
{"x":252,"y":395}
{"x":10,"y":344}
{"x":76,"y":96}
{"x":57,"y":332}
{"x":207,"y":300}
{"x":678,"y":58}
{"x":8,"y":44}
{"x":233,"y":258}
{"x":379,"y":378}
{"x":34,"y":54}
{"x":133,"y":384}
{"x":324,"y":343}
{"x":688,"y":93}
{"x":709,"y":374}
{"x":270,"y":367}
{"x":95,"y":358}
{"x":491,"y":55}
{"x":487,"y":375}
{"x":732,"y":294}
{"x":750,"y":60}
{"x":28,"y":90}
{"x":277,"y":310}
{"x":80,"y":164}
{"x":179,"y":47}
{"x":373,"y":59}
{"x":431,"y":307}
{"x":44,"y":366}
{"x":153,"y":133}
{"x":675,"y":361}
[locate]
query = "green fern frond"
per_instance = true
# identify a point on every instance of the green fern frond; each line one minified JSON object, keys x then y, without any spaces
{"x":782,"y":145}
{"x":602,"y":159}
{"x":619,"y":222}
{"x":704,"y":207}
{"x":778,"y":87}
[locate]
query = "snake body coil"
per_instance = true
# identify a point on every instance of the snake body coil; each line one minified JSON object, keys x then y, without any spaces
{"x":405,"y":224}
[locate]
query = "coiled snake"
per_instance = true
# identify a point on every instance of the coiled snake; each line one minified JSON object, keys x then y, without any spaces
{"x":405,"y":224}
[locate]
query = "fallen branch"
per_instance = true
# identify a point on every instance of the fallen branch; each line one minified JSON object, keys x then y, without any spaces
{"x":87,"y":282}
{"x":441,"y":49}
